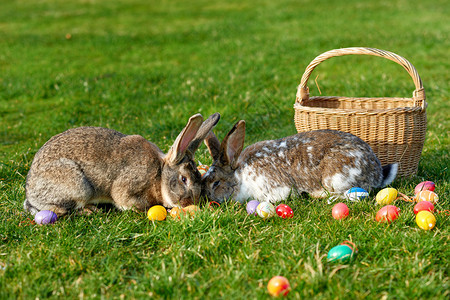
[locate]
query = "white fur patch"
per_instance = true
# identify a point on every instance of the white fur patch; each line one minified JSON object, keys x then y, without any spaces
{"x":167,"y":200}
{"x":337,"y":182}
{"x":101,"y":200}
{"x":340,"y":182}
{"x":356,"y":154}
{"x":267,"y":150}
{"x":210,"y":170}
{"x":305,"y":141}
{"x":311,"y":157}
{"x":282,"y":145}
{"x":258,"y":186}
{"x":353,"y":173}
{"x":391,"y":176}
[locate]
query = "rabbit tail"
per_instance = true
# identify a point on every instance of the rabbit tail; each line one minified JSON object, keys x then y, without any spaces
{"x":29,"y":207}
{"x":389,"y":174}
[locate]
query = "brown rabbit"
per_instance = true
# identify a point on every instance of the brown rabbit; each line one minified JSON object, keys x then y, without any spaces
{"x":321,"y":163}
{"x":88,"y":165}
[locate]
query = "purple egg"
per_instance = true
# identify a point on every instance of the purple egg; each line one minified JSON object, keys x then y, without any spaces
{"x":45,"y":217}
{"x":251,"y":207}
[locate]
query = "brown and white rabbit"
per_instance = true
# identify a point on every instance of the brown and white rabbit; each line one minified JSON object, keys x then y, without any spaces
{"x":88,"y":165}
{"x":321,"y":163}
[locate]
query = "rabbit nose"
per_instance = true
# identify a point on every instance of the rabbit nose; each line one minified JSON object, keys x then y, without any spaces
{"x":195,"y":194}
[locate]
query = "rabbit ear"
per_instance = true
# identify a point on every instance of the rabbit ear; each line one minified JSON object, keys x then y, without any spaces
{"x":203,"y":131}
{"x":213,"y":144}
{"x":233,"y":144}
{"x":184,"y":139}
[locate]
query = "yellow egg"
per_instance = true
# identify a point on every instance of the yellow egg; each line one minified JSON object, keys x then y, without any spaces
{"x":425,"y":220}
{"x":386,"y":196}
{"x":157,"y":213}
{"x":427,"y":196}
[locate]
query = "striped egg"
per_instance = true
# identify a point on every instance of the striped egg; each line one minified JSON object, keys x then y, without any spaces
{"x":265,"y":210}
{"x":427,"y":196}
{"x":356,"y":194}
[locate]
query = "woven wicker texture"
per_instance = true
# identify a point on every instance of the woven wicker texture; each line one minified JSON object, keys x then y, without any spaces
{"x":395,"y":128}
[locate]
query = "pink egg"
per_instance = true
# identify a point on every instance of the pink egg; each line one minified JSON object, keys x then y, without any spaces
{"x":423,"y":205}
{"x":387,"y":213}
{"x":284,"y":211}
{"x":340,"y":211}
{"x":424,"y":186}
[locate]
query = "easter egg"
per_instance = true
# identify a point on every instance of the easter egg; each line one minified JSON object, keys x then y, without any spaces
{"x":424,"y":186}
{"x":351,"y":245}
{"x":340,"y":211}
{"x":425,"y":220}
{"x":214,"y":204}
{"x":251,"y":207}
{"x":176,"y":212}
{"x":387,"y":213}
{"x":157,"y":213}
{"x":427,"y":196}
{"x":386,"y":196}
{"x":278,"y":286}
{"x":191,"y":209}
{"x":202,"y":169}
{"x":265,"y":210}
{"x":356,"y":194}
{"x":423,"y":205}
{"x":284,"y":211}
{"x":340,"y":253}
{"x":45,"y":217}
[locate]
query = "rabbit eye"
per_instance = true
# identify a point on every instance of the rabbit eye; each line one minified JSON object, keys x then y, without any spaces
{"x":215,"y":184}
{"x":184,"y":179}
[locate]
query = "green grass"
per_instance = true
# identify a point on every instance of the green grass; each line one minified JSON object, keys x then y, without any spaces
{"x":144,"y":67}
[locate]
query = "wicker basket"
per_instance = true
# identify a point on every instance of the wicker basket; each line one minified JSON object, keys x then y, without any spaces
{"x":395,"y":128}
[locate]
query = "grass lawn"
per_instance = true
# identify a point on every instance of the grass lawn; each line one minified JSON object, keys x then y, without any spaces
{"x":145,"y":66}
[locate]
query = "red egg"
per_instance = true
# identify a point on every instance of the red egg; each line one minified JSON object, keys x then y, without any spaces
{"x":424,"y":186}
{"x":423,"y":205}
{"x":387,"y":213}
{"x":340,"y":211}
{"x":284,"y":211}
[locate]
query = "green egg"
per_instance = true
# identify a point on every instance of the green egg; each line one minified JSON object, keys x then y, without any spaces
{"x":341,"y":253}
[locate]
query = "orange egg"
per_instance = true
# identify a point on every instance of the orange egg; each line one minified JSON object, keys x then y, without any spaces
{"x":427,"y":196}
{"x":176,"y":212}
{"x":191,"y":209}
{"x":203,"y":169}
{"x":278,"y":286}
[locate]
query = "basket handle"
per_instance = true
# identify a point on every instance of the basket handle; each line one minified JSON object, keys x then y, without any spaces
{"x":418,"y":94}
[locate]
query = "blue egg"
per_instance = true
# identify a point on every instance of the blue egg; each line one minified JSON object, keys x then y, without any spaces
{"x":341,"y":253}
{"x":356,"y":194}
